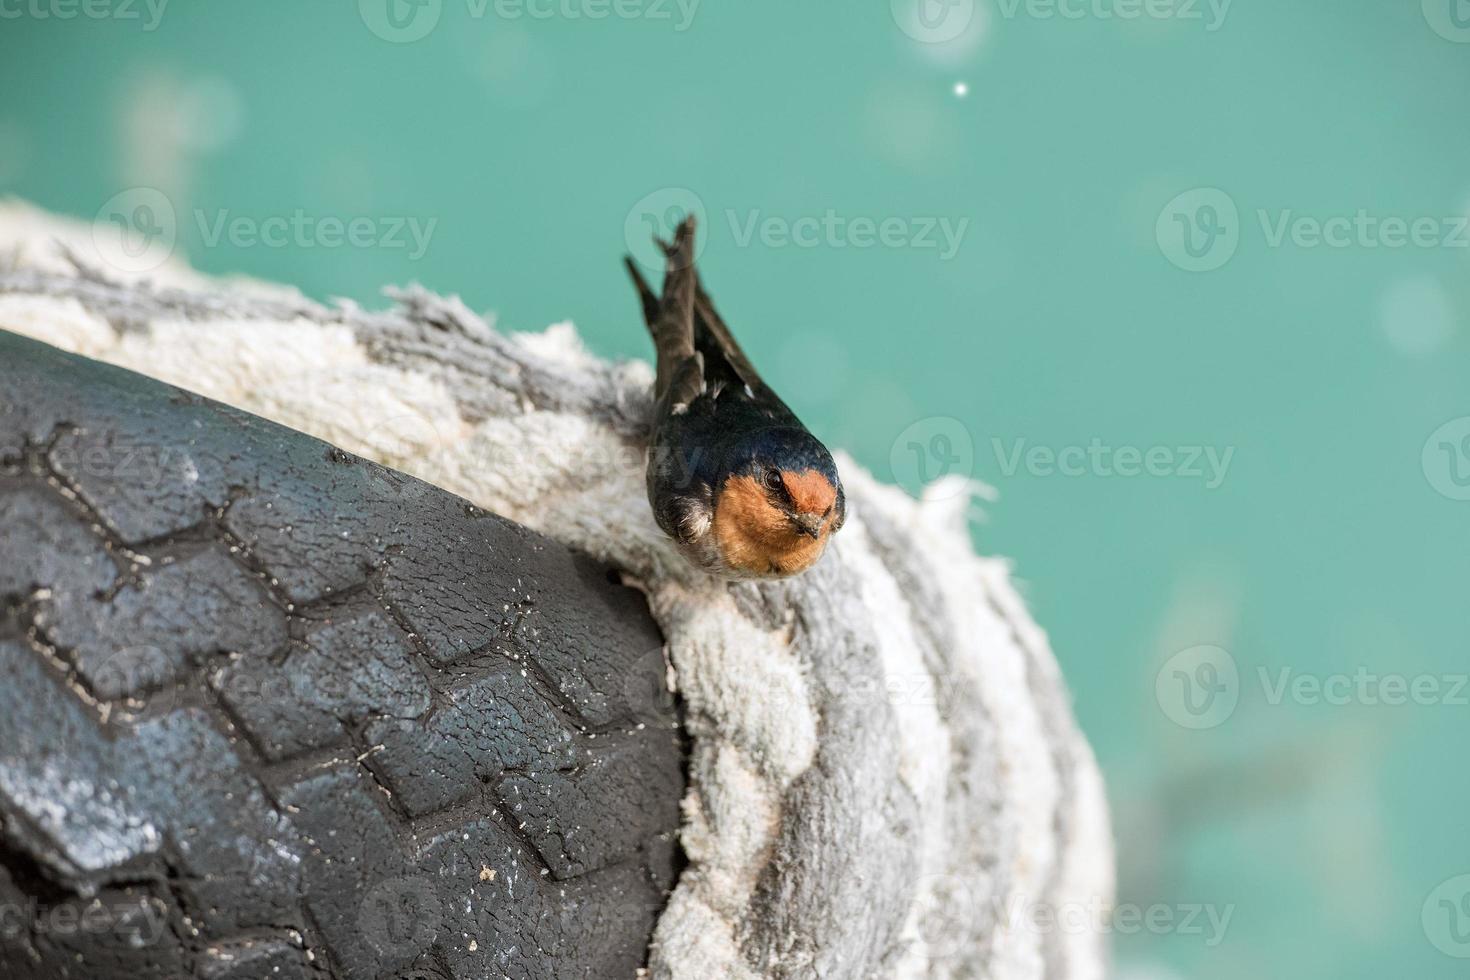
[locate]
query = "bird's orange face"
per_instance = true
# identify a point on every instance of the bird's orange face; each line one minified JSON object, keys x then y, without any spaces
{"x":775,"y":524}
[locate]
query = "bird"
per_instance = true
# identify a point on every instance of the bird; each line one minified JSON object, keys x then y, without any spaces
{"x":733,"y":476}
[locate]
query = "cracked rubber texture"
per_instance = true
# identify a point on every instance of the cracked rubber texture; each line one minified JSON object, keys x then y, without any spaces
{"x":268,"y":710}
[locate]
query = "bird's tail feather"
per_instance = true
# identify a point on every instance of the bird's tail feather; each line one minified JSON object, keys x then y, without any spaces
{"x":670,"y":318}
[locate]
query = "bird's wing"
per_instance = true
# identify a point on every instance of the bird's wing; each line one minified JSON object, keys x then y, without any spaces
{"x":715,"y":341}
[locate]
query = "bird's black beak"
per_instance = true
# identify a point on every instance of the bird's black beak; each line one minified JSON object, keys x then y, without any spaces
{"x":809,"y":524}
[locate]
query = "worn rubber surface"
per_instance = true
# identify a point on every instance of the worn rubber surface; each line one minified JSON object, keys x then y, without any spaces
{"x":270,"y":710}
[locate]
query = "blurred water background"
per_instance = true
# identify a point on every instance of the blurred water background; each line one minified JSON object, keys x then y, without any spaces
{"x":1184,"y":280}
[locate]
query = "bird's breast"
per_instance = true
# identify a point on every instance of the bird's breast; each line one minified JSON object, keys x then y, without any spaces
{"x":754,"y":538}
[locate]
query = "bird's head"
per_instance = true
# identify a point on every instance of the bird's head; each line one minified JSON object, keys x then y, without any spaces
{"x":778,"y":504}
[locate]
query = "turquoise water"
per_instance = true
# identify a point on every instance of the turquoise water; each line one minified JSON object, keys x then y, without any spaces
{"x":1219,"y":248}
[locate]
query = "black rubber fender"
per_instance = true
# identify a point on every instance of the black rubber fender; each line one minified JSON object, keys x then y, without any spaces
{"x":271,"y":710}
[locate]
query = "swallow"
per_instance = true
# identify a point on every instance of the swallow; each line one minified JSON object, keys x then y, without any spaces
{"x":733,"y":475}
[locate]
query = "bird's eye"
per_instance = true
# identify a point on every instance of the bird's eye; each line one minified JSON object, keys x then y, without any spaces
{"x":772,"y":479}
